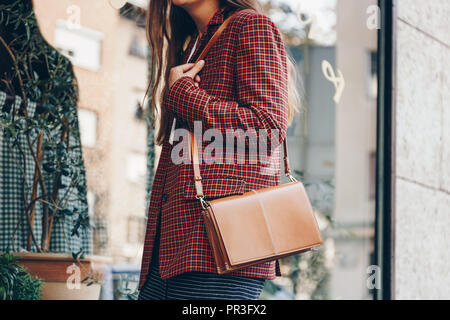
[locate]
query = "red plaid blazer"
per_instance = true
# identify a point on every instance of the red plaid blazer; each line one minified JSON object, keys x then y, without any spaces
{"x":243,"y":86}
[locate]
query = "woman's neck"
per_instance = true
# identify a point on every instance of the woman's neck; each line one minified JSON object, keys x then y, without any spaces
{"x":202,"y":13}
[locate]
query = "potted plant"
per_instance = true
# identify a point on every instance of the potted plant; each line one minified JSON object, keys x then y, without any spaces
{"x":15,"y":282}
{"x":43,"y":202}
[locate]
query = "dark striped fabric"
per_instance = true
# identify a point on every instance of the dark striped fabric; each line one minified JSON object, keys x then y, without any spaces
{"x":194,"y":285}
{"x":200,"y":286}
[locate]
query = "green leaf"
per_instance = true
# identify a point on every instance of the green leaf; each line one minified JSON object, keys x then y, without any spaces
{"x":49,"y":167}
{"x":75,"y":255}
{"x":66,"y":212}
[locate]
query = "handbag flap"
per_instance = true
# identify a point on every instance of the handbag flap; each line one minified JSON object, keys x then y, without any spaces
{"x":266,"y":222}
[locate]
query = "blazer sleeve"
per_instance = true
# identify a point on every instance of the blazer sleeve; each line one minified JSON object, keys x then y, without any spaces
{"x":261,"y":81}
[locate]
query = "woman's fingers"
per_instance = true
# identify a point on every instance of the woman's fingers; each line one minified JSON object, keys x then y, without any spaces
{"x":195,"y":69}
{"x":188,"y":69}
{"x":185,"y":67}
{"x":197,"y":80}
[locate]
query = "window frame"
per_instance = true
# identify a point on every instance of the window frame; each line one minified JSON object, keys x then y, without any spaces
{"x":385,"y":182}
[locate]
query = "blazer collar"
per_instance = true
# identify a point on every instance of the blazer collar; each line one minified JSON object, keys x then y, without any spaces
{"x":217,"y":18}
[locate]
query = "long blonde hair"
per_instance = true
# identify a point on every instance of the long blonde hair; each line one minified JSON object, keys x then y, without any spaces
{"x":168,"y":27}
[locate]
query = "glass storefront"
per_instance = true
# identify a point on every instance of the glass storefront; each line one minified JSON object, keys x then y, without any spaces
{"x":333,"y":142}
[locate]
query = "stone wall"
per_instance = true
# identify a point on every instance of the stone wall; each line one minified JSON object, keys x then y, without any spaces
{"x":422,"y":223}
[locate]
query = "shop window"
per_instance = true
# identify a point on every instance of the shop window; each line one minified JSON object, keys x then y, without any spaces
{"x":332,"y":144}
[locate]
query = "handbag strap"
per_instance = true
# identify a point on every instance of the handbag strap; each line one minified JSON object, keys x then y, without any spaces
{"x":194,"y":148}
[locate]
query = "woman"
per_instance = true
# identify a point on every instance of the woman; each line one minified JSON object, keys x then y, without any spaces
{"x":241,"y":84}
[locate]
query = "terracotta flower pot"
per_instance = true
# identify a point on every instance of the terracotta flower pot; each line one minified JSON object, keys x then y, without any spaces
{"x":62,"y":276}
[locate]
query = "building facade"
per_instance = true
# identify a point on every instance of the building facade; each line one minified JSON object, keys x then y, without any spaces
{"x":422,"y":150}
{"x":109,"y":53}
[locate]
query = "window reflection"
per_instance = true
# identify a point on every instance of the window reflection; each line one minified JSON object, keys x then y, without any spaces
{"x":332,"y":144}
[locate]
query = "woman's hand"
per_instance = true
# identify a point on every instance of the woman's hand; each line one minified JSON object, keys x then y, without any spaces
{"x":188,"y":69}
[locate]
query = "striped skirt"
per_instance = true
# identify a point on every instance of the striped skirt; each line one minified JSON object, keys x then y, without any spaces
{"x":197,"y":285}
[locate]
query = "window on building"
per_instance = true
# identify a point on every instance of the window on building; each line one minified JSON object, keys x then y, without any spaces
{"x":91,"y":199}
{"x":136,"y":167}
{"x":138,"y":47}
{"x":136,"y":100}
{"x":136,"y":229}
{"x":135,"y":11}
{"x":88,"y":127}
{"x":81,"y":45}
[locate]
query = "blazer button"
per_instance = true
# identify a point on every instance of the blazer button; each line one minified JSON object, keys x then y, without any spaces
{"x":165,"y":197}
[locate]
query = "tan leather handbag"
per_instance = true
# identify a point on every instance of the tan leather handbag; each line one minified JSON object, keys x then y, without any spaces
{"x":260,"y":225}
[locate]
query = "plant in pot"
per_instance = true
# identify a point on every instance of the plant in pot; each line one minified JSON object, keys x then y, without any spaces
{"x":44,"y":214}
{"x":15,"y":282}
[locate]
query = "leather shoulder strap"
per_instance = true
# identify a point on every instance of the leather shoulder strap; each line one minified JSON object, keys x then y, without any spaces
{"x":194,"y":148}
